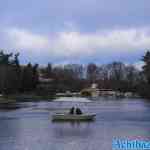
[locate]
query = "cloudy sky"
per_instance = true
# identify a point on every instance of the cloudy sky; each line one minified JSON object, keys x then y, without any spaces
{"x":75,"y":31}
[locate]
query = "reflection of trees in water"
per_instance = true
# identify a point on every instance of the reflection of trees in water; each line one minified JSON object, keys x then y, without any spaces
{"x":9,"y":106}
{"x":17,"y":105}
{"x":12,"y":106}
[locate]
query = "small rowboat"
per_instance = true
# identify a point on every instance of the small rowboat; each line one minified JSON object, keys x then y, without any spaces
{"x":74,"y":117}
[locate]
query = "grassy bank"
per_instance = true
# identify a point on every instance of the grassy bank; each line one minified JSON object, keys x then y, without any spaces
{"x":24,"y":98}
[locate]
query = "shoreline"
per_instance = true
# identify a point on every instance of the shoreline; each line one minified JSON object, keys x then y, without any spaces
{"x":24,"y":98}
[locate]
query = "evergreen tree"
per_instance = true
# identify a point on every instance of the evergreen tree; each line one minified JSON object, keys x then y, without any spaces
{"x":146,"y":67}
{"x":35,"y":76}
{"x":27,"y":78}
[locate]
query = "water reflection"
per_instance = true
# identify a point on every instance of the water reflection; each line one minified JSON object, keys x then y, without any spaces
{"x":13,"y":105}
{"x":28,"y":126}
{"x":9,"y":133}
{"x":64,"y":130}
{"x":9,"y":106}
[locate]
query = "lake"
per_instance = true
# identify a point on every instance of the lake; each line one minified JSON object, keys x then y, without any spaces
{"x":28,"y":125}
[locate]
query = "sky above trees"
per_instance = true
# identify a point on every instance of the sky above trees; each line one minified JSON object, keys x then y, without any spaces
{"x":80,"y":31}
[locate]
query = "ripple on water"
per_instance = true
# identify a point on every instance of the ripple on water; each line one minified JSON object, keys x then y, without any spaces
{"x":28,"y":126}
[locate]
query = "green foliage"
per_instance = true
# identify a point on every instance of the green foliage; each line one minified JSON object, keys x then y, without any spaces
{"x":13,"y":77}
{"x":9,"y":73}
{"x":144,"y":84}
{"x":72,"y":77}
{"x":146,"y":67}
{"x":29,"y":77}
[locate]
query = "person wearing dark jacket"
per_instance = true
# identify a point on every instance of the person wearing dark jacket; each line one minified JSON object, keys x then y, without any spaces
{"x":78,"y":111}
{"x":72,"y":111}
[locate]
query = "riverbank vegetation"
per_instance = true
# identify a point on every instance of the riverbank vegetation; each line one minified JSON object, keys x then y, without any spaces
{"x":37,"y":81}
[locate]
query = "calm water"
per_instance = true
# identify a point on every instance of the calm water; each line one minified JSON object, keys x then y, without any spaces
{"x":28,"y":126}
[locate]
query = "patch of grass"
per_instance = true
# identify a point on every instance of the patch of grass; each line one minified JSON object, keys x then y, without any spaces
{"x":25,"y":98}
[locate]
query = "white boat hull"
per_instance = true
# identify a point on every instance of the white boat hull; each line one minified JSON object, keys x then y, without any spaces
{"x":69,"y":117}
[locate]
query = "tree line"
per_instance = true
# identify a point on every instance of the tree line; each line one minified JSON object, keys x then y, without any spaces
{"x":14,"y":77}
{"x":17,"y":78}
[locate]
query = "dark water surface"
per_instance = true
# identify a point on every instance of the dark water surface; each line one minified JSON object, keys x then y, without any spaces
{"x":28,"y":126}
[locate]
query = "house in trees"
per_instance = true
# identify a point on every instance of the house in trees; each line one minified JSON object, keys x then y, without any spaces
{"x":92,"y":91}
{"x":95,"y":92}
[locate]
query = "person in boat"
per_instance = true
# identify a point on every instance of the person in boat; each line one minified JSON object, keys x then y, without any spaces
{"x":78,"y":111}
{"x":72,"y":110}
